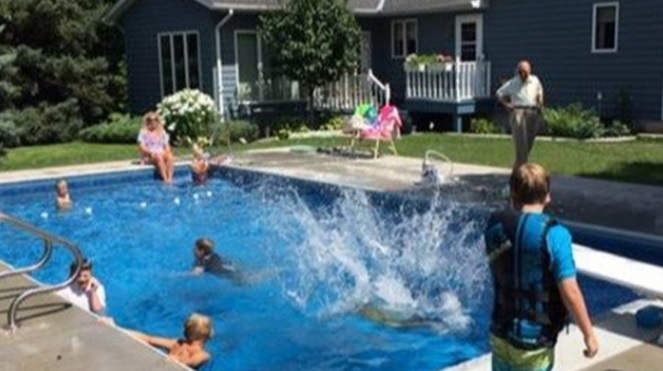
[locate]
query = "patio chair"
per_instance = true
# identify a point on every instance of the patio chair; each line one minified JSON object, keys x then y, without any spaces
{"x":386,"y":129}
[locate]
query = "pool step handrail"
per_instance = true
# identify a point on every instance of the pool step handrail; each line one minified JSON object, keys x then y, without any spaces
{"x":50,"y":241}
{"x":430,"y":173}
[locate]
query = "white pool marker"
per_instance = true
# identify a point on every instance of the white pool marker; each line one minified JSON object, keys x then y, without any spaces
{"x":176,"y":200}
{"x":88,"y":210}
{"x":44,"y":215}
{"x":209,"y":193}
{"x":143,"y":205}
{"x":195,"y":196}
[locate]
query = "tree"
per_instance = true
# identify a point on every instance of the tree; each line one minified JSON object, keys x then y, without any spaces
{"x":7,"y":92}
{"x":67,"y":66}
{"x":311,"y":41}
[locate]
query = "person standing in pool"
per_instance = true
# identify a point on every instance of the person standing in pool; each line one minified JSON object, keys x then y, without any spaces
{"x":62,"y":198}
{"x":190,"y":350}
{"x":534,"y":278}
{"x":86,"y":292}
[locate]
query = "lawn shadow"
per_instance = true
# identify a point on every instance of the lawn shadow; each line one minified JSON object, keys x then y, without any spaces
{"x":640,"y":172}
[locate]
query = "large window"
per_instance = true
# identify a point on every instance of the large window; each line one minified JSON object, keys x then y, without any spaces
{"x":605,"y":27}
{"x":404,"y":40}
{"x":255,"y":78}
{"x":179,"y":61}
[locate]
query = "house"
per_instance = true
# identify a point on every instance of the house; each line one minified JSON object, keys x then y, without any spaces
{"x":606,"y":55}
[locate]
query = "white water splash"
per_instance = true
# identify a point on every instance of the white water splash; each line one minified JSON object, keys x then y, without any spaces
{"x":426,"y":263}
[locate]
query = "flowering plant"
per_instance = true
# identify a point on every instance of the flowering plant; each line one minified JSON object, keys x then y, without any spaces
{"x":444,"y":58}
{"x":188,"y":114}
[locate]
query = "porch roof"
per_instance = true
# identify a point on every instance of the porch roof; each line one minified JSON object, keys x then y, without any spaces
{"x":376,"y":7}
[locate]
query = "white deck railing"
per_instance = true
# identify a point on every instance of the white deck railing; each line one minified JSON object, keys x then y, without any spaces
{"x":452,"y":82}
{"x":343,"y":95}
{"x":351,"y":91}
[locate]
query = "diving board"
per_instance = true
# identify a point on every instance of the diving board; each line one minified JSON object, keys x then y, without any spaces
{"x":641,"y":277}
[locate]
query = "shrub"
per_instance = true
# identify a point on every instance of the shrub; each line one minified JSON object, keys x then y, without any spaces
{"x":617,"y":129}
{"x":8,"y":132}
{"x":573,"y":121}
{"x":118,"y":129}
{"x":239,"y":130}
{"x":188,"y":114}
{"x":333,"y":123}
{"x":484,"y":126}
{"x":48,"y":123}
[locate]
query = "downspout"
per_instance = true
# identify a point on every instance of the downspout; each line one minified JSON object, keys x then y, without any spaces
{"x":219,"y":72}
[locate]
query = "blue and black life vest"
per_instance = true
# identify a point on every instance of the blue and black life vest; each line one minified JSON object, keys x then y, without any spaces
{"x":528,"y":310}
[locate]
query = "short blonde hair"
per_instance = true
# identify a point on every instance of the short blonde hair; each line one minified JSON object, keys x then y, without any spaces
{"x":151,"y":115}
{"x":530,"y":184}
{"x":198,"y":327}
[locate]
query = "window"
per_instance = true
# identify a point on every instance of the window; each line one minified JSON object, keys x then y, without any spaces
{"x":469,"y":37}
{"x":256,"y":80}
{"x":179,"y":62}
{"x":605,"y":27}
{"x":403,"y":38}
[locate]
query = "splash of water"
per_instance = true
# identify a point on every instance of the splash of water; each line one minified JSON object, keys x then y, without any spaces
{"x":349,"y":253}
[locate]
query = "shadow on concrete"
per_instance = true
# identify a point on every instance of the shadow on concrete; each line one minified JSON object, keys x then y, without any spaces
{"x":38,"y":310}
{"x":650,"y":173}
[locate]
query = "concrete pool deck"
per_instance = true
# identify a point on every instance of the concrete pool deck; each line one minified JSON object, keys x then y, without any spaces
{"x":631,"y":207}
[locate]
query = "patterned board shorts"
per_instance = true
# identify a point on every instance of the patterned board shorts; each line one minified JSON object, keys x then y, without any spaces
{"x":506,"y":357}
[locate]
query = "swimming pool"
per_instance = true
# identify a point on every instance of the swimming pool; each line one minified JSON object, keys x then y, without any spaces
{"x":314,"y":253}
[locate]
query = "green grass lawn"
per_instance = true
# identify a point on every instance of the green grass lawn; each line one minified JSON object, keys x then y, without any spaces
{"x":638,"y":161}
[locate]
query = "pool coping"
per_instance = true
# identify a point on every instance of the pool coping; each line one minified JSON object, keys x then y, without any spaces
{"x":616,"y":341}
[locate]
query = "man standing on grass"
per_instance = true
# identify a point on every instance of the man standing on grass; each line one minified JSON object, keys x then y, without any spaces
{"x":522,"y":96}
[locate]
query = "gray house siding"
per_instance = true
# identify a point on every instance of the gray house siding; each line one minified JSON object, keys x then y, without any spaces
{"x":435,"y":35}
{"x":556,"y":35}
{"x":142,"y":24}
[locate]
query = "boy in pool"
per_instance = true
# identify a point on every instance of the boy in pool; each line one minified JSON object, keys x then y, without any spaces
{"x":62,"y":198}
{"x":199,"y":165}
{"x":207,"y":261}
{"x":190,"y":350}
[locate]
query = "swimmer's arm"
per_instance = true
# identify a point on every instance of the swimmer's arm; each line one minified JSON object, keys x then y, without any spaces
{"x":154,"y":341}
{"x":198,"y":270}
{"x":198,"y":360}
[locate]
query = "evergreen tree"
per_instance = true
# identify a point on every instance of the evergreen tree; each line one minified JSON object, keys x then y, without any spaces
{"x":312,"y":41}
{"x":67,"y":66}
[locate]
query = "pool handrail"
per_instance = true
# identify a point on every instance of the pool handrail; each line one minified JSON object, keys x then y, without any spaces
{"x":50,"y":241}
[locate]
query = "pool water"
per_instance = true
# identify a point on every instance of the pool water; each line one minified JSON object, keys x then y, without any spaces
{"x":311,"y":259}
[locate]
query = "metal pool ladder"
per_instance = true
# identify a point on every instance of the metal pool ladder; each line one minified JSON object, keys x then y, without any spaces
{"x":50,"y":241}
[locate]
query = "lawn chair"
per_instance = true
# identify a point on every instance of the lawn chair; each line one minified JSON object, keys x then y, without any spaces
{"x":386,"y":129}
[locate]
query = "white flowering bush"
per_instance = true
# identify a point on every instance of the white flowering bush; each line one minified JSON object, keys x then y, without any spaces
{"x":188,"y":115}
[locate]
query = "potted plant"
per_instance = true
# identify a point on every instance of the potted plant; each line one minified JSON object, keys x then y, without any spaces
{"x":443,"y":62}
{"x":414,"y":63}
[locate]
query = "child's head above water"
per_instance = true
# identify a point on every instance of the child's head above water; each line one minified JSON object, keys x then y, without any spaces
{"x":198,"y":327}
{"x":61,"y":188}
{"x":204,"y":246}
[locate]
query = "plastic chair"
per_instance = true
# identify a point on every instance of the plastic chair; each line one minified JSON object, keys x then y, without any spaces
{"x":387,"y":128}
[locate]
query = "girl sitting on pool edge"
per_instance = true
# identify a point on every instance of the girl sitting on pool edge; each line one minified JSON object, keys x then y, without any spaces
{"x":190,"y":350}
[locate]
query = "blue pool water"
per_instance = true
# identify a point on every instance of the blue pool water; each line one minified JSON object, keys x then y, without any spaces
{"x":313,"y":254}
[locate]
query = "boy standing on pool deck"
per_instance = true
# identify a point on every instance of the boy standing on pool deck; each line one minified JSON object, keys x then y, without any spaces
{"x":534,"y":278}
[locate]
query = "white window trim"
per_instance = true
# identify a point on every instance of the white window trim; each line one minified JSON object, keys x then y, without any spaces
{"x":259,"y":41}
{"x":470,"y":18}
{"x":367,"y":33}
{"x":594,"y":14}
{"x":404,"y":22}
{"x":186,"y":58}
